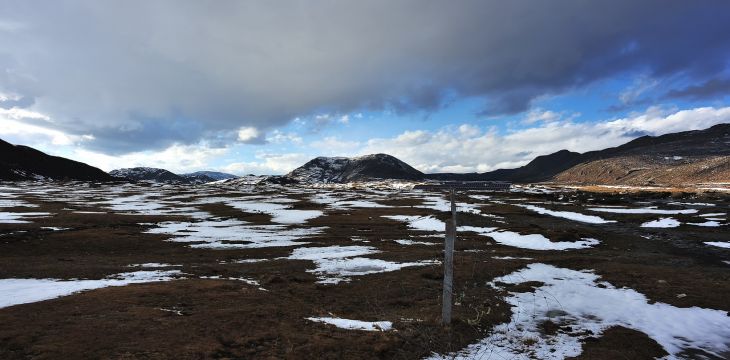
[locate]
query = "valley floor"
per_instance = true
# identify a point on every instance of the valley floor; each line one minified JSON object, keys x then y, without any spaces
{"x":178,"y":272}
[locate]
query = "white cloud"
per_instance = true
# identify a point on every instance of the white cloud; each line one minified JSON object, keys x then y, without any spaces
{"x":268,"y":164}
{"x":640,"y":86}
{"x":249,"y":135}
{"x":279,"y":137}
{"x":332,"y":146}
{"x":468,"y":149}
{"x":14,"y":129}
{"x":176,"y":158}
{"x":16,"y":113}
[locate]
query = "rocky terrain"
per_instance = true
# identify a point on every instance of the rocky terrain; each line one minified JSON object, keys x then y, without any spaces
{"x":648,"y":170}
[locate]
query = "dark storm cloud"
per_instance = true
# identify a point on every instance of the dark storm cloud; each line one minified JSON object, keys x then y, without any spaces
{"x":223,"y":65}
{"x":710,"y":89}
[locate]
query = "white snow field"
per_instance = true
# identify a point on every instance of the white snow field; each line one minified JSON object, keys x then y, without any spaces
{"x":538,"y":242}
{"x":23,"y":291}
{"x":281,"y":213}
{"x":336,"y":264}
{"x":233,"y":234}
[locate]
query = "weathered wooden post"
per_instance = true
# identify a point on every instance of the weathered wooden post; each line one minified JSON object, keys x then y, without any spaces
{"x":449,"y":263}
{"x":452,"y":186}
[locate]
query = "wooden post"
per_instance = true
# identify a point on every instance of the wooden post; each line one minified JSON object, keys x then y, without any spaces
{"x":449,"y":263}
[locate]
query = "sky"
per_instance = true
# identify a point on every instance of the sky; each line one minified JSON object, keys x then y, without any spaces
{"x":261,"y":87}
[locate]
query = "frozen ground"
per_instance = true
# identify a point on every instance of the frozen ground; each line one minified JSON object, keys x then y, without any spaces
{"x":584,"y":306}
{"x":539,"y":273}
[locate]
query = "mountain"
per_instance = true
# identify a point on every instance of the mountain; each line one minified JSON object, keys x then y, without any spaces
{"x":18,"y":162}
{"x":212,"y":175}
{"x":688,"y":157}
{"x":703,"y":154}
{"x":362,"y":168}
{"x":539,"y":169}
{"x":148,"y":174}
{"x":162,"y":175}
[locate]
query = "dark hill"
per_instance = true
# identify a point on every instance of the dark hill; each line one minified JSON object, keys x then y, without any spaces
{"x":362,"y":168}
{"x":18,"y":162}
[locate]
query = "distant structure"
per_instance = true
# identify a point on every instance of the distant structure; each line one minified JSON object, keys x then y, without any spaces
{"x":466,"y":185}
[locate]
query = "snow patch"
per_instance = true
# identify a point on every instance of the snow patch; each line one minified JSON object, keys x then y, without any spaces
{"x":354,"y":324}
{"x":568,"y":215}
{"x":662,"y":223}
{"x":23,"y":291}
{"x":646,"y":210}
{"x":574,"y":300}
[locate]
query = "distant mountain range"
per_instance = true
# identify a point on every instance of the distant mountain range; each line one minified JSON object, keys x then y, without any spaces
{"x":688,"y":157}
{"x":162,"y":175}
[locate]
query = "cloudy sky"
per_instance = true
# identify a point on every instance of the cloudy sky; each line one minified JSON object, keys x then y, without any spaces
{"x":263,"y":86}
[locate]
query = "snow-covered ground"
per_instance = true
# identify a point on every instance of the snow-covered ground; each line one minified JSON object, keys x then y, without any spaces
{"x":662,"y":223}
{"x":422,"y":223}
{"x":645,"y":210}
{"x":538,"y":242}
{"x":335,"y":264}
{"x":587,"y":307}
{"x":281,"y":213}
{"x":20,"y":218}
{"x":354,"y":324}
{"x":591,"y":219}
{"x":231,"y":234}
{"x":22,"y":291}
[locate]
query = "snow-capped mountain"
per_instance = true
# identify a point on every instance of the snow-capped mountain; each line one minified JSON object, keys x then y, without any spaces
{"x":148,"y":174}
{"x":162,"y":175}
{"x":361,"y":168}
{"x":212,"y":175}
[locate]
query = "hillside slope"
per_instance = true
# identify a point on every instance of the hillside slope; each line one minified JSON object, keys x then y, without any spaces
{"x":690,"y":157}
{"x":18,"y":162}
{"x":362,"y":168}
{"x":148,"y":174}
{"x":702,"y":153}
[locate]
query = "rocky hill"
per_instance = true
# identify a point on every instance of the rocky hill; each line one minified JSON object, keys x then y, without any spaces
{"x":671,"y":159}
{"x":688,"y":157}
{"x":362,"y":168}
{"x":649,"y":170}
{"x":542,"y":168}
{"x":207,"y":176}
{"x":148,"y":174}
{"x":166,"y":176}
{"x":18,"y":162}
